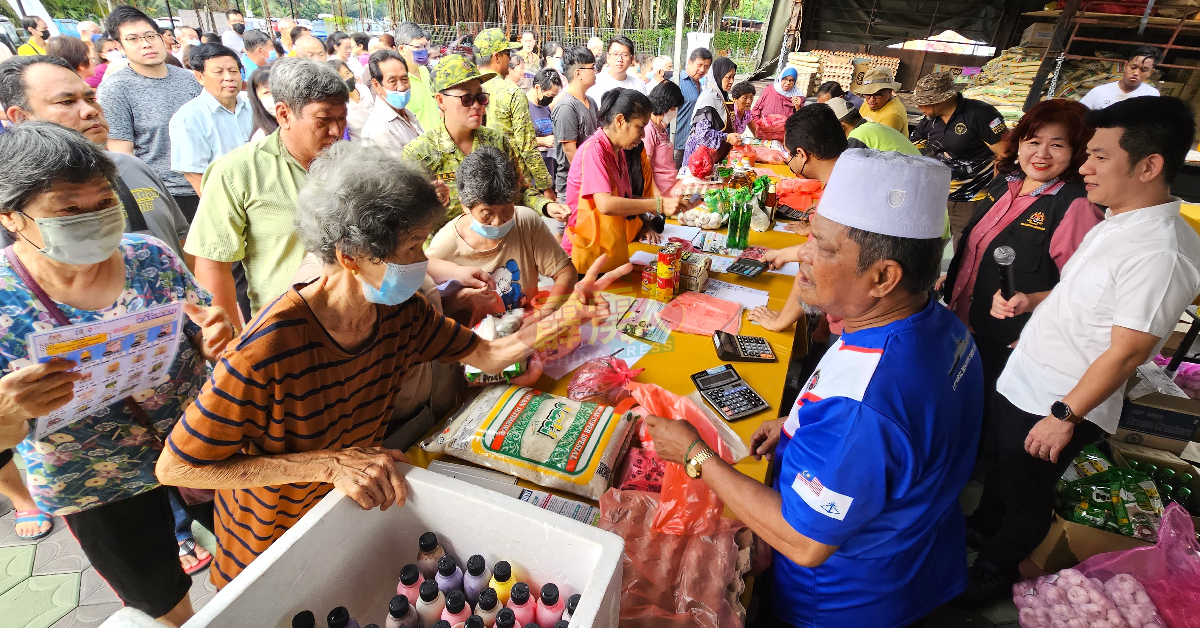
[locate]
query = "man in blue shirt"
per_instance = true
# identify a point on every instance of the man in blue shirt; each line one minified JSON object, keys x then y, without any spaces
{"x":259,"y":52}
{"x":215,"y":122}
{"x":864,"y":516}
{"x":689,"y":83}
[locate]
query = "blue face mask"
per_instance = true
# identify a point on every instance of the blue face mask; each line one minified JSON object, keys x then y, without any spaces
{"x":400,"y":283}
{"x":421,"y":56}
{"x":490,"y":232}
{"x":396,"y":99}
{"x":271,"y":57}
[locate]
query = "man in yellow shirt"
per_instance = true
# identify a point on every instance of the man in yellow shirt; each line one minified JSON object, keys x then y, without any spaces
{"x":38,"y":34}
{"x":879,"y":103}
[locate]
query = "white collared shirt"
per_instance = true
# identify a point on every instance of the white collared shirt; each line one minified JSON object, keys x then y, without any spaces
{"x":385,"y":127}
{"x":1137,"y":270}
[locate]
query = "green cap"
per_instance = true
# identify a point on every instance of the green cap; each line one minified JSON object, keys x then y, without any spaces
{"x":490,"y":41}
{"x":454,"y":70}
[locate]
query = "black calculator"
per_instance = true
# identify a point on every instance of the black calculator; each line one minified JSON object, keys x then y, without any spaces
{"x":742,"y":348}
{"x":747,"y":267}
{"x":728,"y":393}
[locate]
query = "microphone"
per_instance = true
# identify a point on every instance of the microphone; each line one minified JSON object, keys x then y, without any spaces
{"x":1005,"y":256}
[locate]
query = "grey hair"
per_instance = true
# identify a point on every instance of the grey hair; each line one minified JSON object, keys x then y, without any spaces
{"x":408,"y":31}
{"x":298,"y":82}
{"x":36,"y":155}
{"x":362,"y":200}
{"x":486,"y":177}
{"x":919,"y":259}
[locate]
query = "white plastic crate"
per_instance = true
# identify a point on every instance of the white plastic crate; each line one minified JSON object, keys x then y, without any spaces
{"x":341,"y":555}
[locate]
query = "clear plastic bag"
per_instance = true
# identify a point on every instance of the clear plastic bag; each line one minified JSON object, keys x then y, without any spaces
{"x":602,"y":380}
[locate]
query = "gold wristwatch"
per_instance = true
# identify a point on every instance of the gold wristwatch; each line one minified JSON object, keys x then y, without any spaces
{"x":693,"y":466}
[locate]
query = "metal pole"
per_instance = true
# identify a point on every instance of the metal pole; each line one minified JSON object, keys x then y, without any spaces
{"x":170,"y":16}
{"x":680,"y":8}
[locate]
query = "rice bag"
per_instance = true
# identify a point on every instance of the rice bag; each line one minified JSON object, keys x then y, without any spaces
{"x":552,"y":441}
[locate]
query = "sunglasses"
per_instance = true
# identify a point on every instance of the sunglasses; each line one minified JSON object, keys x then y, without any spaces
{"x":470,"y":100}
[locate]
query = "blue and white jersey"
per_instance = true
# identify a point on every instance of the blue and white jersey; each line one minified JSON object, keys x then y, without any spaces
{"x":872,"y":458}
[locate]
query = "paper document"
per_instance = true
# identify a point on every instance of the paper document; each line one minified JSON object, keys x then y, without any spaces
{"x":721,"y":264}
{"x":748,"y":297}
{"x":714,"y":242}
{"x":782,"y":226}
{"x":790,"y":268}
{"x":676,"y":231}
{"x":600,"y":339}
{"x":643,"y":321}
{"x":1157,"y":379}
{"x":116,"y":356}
{"x":643,"y":258}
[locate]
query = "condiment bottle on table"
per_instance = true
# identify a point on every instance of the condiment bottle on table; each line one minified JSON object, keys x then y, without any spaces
{"x":572,"y":604}
{"x":410,"y":583}
{"x":430,"y":553}
{"x":456,"y":610}
{"x":340,"y":618}
{"x":304,"y":619}
{"x":431,"y":603}
{"x":474,"y":621}
{"x":522,"y":604}
{"x":562,"y":623}
{"x":502,"y":580}
{"x":401,"y":614}
{"x":488,"y":607}
{"x":441,"y":623}
{"x":449,"y":577}
{"x":506,"y":618}
{"x":476,"y":578}
{"x":550,"y":606}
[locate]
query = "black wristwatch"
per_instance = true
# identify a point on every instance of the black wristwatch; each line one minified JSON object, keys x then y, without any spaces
{"x":1063,"y":412}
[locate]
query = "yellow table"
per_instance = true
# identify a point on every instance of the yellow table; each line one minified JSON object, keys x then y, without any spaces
{"x":671,"y":364}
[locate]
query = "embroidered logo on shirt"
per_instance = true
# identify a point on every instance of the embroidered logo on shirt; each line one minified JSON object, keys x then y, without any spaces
{"x":821,"y":499}
{"x":960,"y":128}
{"x":1036,"y":220}
{"x":812,"y":381}
{"x":895,"y":198}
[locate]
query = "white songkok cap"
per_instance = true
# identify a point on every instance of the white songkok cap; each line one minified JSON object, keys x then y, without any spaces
{"x":888,"y":193}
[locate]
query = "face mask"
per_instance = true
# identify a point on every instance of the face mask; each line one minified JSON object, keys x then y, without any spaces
{"x":192,"y":42}
{"x":350,"y":83}
{"x":668,"y":74}
{"x":272,"y":57}
{"x":239,"y":28}
{"x":397,"y":100}
{"x":45,"y":34}
{"x":421,"y":56}
{"x":670,"y":117}
{"x":490,"y":232}
{"x":82,"y":240}
{"x":556,"y":63}
{"x":113,"y":55}
{"x":400,"y":282}
{"x":545,"y":101}
{"x":268,"y":103}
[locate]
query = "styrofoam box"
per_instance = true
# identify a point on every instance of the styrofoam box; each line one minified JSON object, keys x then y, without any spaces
{"x":341,"y":555}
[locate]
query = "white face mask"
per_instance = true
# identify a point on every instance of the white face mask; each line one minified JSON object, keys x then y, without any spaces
{"x":113,"y":55}
{"x":268,"y":102}
{"x":84,"y":239}
{"x":670,"y":117}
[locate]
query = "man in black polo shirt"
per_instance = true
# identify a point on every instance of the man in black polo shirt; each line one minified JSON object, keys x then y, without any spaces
{"x":965,"y":134}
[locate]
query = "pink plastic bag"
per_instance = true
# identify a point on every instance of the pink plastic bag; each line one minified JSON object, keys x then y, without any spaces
{"x":1169,"y":571}
{"x":602,"y":380}
{"x":699,"y":313}
{"x":771,"y":127}
{"x":688,"y":506}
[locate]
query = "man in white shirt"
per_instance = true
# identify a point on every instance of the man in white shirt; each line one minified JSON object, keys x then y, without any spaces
{"x":1138,"y":68}
{"x":616,"y":73}
{"x":390,"y":124}
{"x":233,"y":38}
{"x":1120,"y":295}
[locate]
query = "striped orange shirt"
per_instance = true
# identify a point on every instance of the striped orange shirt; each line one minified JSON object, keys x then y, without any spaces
{"x":286,"y":386}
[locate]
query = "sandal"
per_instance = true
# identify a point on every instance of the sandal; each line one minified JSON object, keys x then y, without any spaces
{"x":38,"y":517}
{"x":188,"y":548}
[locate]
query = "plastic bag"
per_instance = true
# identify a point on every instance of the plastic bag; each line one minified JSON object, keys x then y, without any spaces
{"x":677,"y":581}
{"x":700,"y":164}
{"x":1187,"y":377}
{"x":799,"y":194}
{"x":738,"y":153}
{"x":602,"y":380}
{"x":699,"y":313}
{"x":1169,"y":570}
{"x":771,"y":127}
{"x":688,"y":506}
{"x":1069,"y":599}
{"x":770,"y":155}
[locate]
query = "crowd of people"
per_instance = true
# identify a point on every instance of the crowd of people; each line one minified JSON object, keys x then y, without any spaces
{"x":337,"y":214}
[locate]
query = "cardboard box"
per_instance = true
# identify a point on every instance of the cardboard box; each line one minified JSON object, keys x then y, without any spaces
{"x":1164,"y":417}
{"x":1168,"y":88}
{"x":341,"y":555}
{"x":1037,"y":36}
{"x":1156,"y":442}
{"x":1069,"y":543}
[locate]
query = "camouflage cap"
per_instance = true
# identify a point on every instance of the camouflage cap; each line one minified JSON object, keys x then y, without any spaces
{"x":490,"y":41}
{"x":454,"y":70}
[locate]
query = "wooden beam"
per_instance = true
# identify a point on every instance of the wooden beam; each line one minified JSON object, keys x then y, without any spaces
{"x":1049,"y":60}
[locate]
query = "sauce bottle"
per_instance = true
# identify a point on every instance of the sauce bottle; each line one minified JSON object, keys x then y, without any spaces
{"x":410,"y":583}
{"x":431,"y":603}
{"x":502,"y":580}
{"x":506,"y":618}
{"x":441,"y":623}
{"x":340,"y":618}
{"x":304,"y":619}
{"x":522,"y":604}
{"x":476,"y":578}
{"x":572,"y":604}
{"x":449,"y":577}
{"x":456,"y":610}
{"x":488,"y":606}
{"x":431,"y":552}
{"x":401,"y":614}
{"x":474,"y":621}
{"x":562,"y":623}
{"x":550,"y":606}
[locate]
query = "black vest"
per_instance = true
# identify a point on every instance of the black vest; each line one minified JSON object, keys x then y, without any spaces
{"x":1034,"y":270}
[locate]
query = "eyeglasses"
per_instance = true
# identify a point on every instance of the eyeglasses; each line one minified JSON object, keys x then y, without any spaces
{"x":470,"y":100}
{"x":620,"y":55}
{"x":133,"y":40}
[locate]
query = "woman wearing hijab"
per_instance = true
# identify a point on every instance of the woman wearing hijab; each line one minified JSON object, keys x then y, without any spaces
{"x":712,"y":124}
{"x":780,"y":98}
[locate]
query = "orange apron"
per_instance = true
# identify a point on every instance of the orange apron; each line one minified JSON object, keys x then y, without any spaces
{"x":596,"y":234}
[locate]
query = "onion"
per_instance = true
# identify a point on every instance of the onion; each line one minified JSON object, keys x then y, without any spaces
{"x":1091,"y":612}
{"x":1078,"y":595}
{"x":1062,"y":611}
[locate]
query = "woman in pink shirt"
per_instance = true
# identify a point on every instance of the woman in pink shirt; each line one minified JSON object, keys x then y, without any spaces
{"x":1040,"y":210}
{"x":666,"y":100}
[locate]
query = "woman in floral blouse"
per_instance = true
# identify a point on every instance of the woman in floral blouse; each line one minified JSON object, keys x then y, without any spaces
{"x":57,"y":196}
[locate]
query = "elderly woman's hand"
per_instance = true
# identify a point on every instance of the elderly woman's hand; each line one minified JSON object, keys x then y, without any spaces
{"x":37,"y":390}
{"x":584,"y":304}
{"x":216,"y":329}
{"x":558,"y":211}
{"x":368,"y":475}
